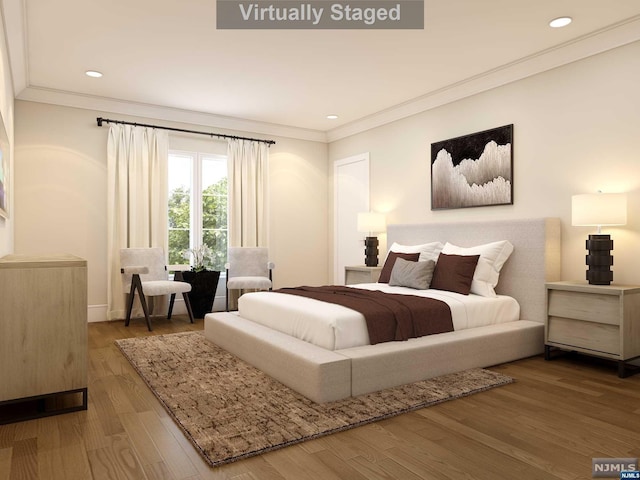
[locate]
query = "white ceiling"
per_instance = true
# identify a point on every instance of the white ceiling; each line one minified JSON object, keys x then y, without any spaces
{"x":165,"y":59}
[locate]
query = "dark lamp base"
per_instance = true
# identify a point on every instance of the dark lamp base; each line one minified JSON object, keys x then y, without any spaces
{"x":371,"y":251}
{"x":599,"y":259}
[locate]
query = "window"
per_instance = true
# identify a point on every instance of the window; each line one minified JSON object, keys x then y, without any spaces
{"x":197,"y":206}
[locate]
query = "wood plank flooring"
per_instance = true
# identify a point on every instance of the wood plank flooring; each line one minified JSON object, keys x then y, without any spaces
{"x":549,"y":424}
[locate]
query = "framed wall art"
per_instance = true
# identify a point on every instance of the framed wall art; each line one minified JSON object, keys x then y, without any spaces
{"x":474,"y":170}
{"x":4,"y":171}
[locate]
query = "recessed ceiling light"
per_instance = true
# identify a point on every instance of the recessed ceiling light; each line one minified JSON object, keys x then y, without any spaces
{"x":93,"y":73}
{"x":332,"y":117}
{"x":560,"y":22}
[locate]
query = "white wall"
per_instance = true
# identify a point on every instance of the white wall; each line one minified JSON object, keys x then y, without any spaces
{"x":576,"y":130}
{"x":61,"y":197}
{"x":6,"y":111}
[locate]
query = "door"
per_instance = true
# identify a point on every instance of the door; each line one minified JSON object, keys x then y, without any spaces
{"x":351,"y":196}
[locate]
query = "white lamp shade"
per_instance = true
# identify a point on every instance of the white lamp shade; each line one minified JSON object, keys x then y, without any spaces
{"x":369,"y":222}
{"x":600,"y":209}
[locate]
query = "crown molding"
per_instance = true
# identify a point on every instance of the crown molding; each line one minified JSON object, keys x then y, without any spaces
{"x":156,"y":112}
{"x":616,"y":35}
{"x":16,"y":30}
{"x":608,"y":38}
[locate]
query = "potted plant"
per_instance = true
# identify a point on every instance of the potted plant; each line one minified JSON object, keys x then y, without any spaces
{"x":204,"y":282}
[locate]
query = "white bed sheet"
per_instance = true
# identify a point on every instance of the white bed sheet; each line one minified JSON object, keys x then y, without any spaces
{"x":335,"y":327}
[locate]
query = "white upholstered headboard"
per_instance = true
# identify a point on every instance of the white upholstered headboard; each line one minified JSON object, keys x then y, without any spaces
{"x":534,"y":261}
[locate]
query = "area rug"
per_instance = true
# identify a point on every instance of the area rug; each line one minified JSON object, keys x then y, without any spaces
{"x":230,"y":410}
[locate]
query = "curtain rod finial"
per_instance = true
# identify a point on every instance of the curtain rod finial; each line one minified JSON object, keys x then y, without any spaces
{"x":99,"y":120}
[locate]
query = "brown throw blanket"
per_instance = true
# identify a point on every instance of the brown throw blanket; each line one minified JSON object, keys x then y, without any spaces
{"x":389,"y":316}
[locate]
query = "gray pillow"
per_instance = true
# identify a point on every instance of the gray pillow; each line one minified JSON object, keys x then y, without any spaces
{"x":412,"y":274}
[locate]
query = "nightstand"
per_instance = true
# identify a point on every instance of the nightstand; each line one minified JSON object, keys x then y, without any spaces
{"x":598,"y":320}
{"x":361,"y":274}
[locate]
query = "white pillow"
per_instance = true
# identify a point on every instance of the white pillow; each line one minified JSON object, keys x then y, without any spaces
{"x":492,"y":258}
{"x":427,"y":251}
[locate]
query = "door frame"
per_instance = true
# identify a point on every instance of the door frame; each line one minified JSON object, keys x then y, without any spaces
{"x":361,"y":157}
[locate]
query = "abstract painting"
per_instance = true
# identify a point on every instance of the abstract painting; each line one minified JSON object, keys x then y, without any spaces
{"x":4,"y":172}
{"x":474,"y":170}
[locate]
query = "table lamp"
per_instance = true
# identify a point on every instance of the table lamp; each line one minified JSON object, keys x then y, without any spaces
{"x":370,"y":223}
{"x":599,"y":209}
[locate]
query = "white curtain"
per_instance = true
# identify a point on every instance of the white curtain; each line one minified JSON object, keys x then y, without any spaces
{"x":137,"y":160}
{"x":248,"y":190}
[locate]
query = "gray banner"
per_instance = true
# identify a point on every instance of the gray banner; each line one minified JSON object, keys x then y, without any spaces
{"x":320,"y":15}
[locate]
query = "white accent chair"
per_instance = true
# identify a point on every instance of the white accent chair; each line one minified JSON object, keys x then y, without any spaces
{"x":248,"y":268}
{"x":144,"y":270}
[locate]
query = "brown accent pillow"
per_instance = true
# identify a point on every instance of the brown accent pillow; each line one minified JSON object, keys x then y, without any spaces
{"x":385,"y":274}
{"x":454,"y":273}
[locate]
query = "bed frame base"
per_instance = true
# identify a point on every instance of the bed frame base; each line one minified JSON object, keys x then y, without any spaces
{"x":324,"y":376}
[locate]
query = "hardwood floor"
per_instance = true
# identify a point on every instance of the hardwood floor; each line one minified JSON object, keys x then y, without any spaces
{"x":549,"y":424}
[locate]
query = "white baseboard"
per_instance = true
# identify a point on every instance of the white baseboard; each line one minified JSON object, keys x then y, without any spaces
{"x":97,"y":313}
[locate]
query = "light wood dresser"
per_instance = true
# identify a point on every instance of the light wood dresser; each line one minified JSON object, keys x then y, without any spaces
{"x":43,"y":333}
{"x":599,"y":320}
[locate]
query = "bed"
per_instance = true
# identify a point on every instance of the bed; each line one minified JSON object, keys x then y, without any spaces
{"x":335,"y":327}
{"x":325,"y":367}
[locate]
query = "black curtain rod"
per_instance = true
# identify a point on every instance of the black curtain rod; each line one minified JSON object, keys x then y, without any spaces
{"x":100,"y":120}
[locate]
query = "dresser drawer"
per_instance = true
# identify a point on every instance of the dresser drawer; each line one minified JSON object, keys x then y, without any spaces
{"x":599,"y":337}
{"x":589,"y":307}
{"x":360,"y":274}
{"x":353,"y":277}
